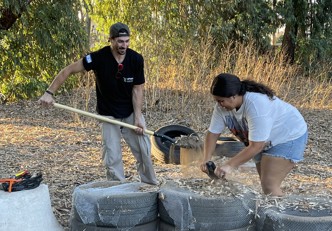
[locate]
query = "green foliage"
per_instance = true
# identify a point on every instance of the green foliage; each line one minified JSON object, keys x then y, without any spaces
{"x":47,"y":36}
{"x":317,"y":47}
{"x":168,"y":25}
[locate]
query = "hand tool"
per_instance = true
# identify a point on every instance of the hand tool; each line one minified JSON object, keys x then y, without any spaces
{"x":22,"y":180}
{"x":211,"y":167}
{"x":112,"y":121}
{"x":8,"y":183}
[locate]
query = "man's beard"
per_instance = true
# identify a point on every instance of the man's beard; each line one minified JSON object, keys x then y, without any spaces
{"x":121,"y":51}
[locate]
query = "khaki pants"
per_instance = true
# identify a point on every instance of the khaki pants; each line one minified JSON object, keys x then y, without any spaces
{"x":140,"y":146}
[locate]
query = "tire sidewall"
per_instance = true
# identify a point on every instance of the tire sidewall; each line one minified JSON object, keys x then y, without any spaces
{"x":160,"y":148}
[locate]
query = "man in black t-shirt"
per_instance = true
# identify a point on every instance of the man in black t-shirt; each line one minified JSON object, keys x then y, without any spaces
{"x":120,"y":80}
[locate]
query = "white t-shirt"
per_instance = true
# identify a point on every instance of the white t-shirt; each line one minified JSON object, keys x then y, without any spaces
{"x":260,"y":119}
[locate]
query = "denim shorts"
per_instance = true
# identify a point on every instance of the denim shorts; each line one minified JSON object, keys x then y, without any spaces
{"x":292,"y":150}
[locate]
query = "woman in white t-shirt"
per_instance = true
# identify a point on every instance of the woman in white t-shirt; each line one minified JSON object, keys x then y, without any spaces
{"x":274,"y":132}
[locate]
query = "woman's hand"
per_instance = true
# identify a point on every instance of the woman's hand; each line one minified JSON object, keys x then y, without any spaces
{"x":203,"y":167}
{"x":223,"y":170}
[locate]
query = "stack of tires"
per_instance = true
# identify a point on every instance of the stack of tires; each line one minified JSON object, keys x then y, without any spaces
{"x":115,"y":206}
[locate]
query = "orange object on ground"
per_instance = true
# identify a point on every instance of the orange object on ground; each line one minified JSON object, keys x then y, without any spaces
{"x":11,"y":181}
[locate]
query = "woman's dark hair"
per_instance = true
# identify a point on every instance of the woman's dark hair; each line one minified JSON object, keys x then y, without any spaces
{"x":227,"y":85}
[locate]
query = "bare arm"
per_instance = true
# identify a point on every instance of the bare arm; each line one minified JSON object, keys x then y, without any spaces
{"x":73,"y":68}
{"x":242,"y":157}
{"x":209,"y":147}
{"x":137,"y":98}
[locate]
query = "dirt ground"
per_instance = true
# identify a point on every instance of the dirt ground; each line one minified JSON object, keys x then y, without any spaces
{"x":66,"y":149}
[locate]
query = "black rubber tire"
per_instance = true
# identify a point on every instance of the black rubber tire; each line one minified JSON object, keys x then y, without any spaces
{"x":160,"y":148}
{"x":213,"y":214}
{"x":125,"y":210}
{"x":228,"y":146}
{"x":227,"y":138}
{"x":118,"y":208}
{"x":76,"y":225}
{"x":292,"y":219}
{"x":163,"y":226}
{"x":81,"y":190}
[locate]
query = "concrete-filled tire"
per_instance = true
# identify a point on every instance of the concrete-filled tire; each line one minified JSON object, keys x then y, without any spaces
{"x":185,"y":210}
{"x":114,"y":205}
{"x":300,"y":214}
{"x":160,"y":148}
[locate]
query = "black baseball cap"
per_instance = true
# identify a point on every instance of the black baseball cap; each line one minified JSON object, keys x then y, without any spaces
{"x":119,"y":30}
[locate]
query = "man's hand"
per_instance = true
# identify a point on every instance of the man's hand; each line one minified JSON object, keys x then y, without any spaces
{"x":46,"y":100}
{"x":139,"y":122}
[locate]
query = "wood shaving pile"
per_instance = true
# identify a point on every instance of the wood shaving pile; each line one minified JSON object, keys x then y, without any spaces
{"x":296,"y":203}
{"x":213,"y":188}
{"x":189,"y":142}
{"x":148,"y":188}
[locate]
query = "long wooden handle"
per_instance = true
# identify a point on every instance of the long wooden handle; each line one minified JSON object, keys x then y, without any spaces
{"x":99,"y":117}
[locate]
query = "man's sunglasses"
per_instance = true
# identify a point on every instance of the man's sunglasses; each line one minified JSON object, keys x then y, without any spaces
{"x":120,"y":68}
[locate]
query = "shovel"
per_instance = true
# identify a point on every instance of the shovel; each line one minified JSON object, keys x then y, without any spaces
{"x":112,"y":121}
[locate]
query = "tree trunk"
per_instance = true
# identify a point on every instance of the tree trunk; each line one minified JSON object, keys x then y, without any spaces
{"x":288,"y":43}
{"x":8,"y":17}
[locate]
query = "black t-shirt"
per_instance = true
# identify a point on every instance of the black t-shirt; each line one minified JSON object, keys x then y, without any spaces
{"x":114,"y":90}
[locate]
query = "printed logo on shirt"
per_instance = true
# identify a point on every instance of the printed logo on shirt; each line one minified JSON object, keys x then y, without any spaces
{"x":128,"y":79}
{"x":238,"y":128}
{"x":88,"y":59}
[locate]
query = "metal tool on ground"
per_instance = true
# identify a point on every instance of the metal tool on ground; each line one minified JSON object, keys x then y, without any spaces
{"x":211,"y":167}
{"x":112,"y":121}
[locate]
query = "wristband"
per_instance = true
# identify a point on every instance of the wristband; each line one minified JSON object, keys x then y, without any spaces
{"x":49,"y":92}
